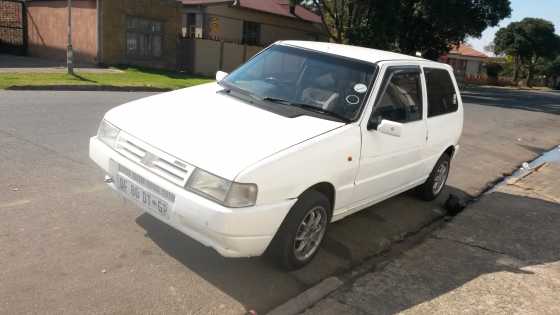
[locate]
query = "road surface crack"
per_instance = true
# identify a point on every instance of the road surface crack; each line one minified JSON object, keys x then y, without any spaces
{"x":484,"y":248}
{"x":50,"y":150}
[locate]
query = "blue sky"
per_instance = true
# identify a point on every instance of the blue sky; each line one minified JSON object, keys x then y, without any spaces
{"x":544,"y":9}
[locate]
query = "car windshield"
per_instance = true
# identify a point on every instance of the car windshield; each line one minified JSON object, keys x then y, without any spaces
{"x":313,"y":81}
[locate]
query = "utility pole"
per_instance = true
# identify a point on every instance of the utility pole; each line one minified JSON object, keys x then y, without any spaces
{"x":70,"y":51}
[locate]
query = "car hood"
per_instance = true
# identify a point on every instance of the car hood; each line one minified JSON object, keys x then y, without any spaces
{"x":214,"y":131}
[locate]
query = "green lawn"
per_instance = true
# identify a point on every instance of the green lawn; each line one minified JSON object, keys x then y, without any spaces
{"x":129,"y":77}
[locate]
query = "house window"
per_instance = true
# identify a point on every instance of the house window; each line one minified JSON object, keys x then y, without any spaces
{"x":144,"y":38}
{"x":191,"y":25}
{"x":251,"y":33}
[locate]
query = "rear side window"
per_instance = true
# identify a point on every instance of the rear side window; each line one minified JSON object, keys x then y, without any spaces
{"x":442,"y":98}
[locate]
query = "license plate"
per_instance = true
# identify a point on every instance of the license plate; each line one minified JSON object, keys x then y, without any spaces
{"x":144,"y":197}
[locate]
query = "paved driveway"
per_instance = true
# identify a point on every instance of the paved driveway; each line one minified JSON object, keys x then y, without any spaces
{"x":67,"y":244}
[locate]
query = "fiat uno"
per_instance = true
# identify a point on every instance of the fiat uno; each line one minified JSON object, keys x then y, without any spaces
{"x":300,"y":136}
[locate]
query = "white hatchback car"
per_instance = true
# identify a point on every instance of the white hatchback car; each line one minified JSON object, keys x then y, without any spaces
{"x":301,"y":135}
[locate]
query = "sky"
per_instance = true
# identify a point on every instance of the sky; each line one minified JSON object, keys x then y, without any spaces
{"x":544,"y":9}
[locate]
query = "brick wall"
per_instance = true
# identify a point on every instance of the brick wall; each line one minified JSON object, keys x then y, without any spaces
{"x":47,"y":29}
{"x":114,"y":15}
{"x":11,"y":31}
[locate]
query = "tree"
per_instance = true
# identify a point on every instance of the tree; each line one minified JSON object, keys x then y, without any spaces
{"x":409,"y":26}
{"x":493,"y":70}
{"x":552,"y":71}
{"x":528,"y":42}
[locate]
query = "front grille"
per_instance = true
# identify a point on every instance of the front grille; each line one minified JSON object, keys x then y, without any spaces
{"x":154,"y":160}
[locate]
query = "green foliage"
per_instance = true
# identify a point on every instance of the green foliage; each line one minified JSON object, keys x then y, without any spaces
{"x":493,"y":69}
{"x":531,"y":38}
{"x":552,"y":67}
{"x":408,"y":26}
{"x":529,"y":42}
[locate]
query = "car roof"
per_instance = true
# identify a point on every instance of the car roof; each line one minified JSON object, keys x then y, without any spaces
{"x":355,"y":52}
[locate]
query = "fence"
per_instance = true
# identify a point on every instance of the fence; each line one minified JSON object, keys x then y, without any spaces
{"x":13,"y":27}
{"x":206,"y":56}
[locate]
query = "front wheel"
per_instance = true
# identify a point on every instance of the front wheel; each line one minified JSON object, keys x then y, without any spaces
{"x":302,"y":231}
{"x":435,"y":183}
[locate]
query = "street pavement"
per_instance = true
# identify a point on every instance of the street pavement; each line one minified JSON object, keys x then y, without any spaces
{"x":499,"y":256}
{"x":68,"y":245}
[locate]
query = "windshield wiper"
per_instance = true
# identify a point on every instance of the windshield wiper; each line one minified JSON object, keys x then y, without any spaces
{"x":307,"y":107}
{"x":228,"y":87}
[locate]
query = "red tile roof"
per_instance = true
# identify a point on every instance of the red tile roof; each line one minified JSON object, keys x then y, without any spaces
{"x":278,"y":7}
{"x":467,"y":50}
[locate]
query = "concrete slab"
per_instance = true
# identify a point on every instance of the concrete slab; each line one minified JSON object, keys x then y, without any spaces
{"x":523,"y":227}
{"x":331,"y":306}
{"x":537,"y":182}
{"x":443,"y":277}
{"x":499,"y":256}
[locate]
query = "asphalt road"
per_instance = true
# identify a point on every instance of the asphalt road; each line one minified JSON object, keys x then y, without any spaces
{"x":68,"y":245}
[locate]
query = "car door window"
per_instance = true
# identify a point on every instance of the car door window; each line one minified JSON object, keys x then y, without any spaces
{"x":442,"y":98}
{"x":401,"y":96}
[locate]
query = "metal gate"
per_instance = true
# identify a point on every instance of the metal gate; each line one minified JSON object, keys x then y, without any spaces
{"x":13,"y":27}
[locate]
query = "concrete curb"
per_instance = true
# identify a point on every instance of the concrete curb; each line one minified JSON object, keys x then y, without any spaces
{"x":109,"y":88}
{"x":308,"y":298}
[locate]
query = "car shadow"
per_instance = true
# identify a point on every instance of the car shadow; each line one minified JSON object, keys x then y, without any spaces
{"x":510,"y":237}
{"x":545,"y":102}
{"x":260,"y":285}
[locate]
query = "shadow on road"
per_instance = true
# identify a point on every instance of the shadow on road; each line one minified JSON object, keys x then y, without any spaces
{"x":258,"y":284}
{"x":511,"y":237}
{"x":546,"y":102}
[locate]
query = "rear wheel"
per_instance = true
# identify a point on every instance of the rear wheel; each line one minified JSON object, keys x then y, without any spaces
{"x":435,"y":183}
{"x":302,"y":231}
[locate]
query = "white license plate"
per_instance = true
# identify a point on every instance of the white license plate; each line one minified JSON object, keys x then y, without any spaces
{"x":144,"y":197}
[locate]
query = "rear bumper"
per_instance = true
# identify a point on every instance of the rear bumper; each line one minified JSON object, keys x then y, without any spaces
{"x":240,"y":232}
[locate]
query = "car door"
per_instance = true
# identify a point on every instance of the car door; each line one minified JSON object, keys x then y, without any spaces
{"x":444,"y":115}
{"x":389,"y":163}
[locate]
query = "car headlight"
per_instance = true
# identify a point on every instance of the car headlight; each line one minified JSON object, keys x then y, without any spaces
{"x":108,"y":133}
{"x":223,"y":191}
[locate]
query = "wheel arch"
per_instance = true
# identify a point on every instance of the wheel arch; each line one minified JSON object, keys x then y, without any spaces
{"x":326,"y":189}
{"x":450,"y":151}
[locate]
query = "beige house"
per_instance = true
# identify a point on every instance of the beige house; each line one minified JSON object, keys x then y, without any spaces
{"x":467,"y":62}
{"x":251,"y":22}
{"x":221,"y":35}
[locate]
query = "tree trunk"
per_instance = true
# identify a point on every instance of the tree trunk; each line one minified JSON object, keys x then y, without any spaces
{"x":516,"y":65}
{"x":530,"y":72}
{"x":530,"y":76}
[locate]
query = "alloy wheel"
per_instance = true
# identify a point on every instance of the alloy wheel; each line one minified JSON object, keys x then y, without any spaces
{"x":310,"y":232}
{"x":441,"y":177}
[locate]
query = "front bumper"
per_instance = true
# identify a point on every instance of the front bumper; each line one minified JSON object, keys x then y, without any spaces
{"x":242,"y":232}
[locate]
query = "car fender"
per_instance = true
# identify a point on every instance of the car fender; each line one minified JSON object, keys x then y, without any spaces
{"x":332,"y":157}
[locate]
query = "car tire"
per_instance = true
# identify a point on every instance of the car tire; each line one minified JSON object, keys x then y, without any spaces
{"x":431,"y":189}
{"x":293,"y":246}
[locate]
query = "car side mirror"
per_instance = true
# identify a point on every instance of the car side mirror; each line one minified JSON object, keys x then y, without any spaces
{"x":374,"y":122}
{"x":220,"y":75}
{"x":389,"y":127}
